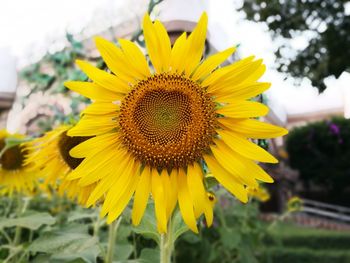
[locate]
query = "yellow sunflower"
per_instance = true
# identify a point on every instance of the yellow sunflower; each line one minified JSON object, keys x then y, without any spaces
{"x":156,"y":128}
{"x":15,"y":175}
{"x":50,"y":155}
{"x":259,"y":193}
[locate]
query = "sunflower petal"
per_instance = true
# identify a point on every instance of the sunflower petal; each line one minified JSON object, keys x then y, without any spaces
{"x":178,"y":53}
{"x":212,"y":63}
{"x":196,"y":44}
{"x":135,"y":57}
{"x":116,"y":60}
{"x":157,"y":44}
{"x":242,"y":74}
{"x":103,"y":78}
{"x":142,"y":192}
{"x":245,"y":147}
{"x":87,"y":126}
{"x":159,"y":201}
{"x":226,"y":179}
{"x":228,"y":159}
{"x":243,"y":109}
{"x":93,"y":91}
{"x":196,"y":187}
{"x":121,"y":202}
{"x":185,"y":202}
{"x":253,"y":128}
{"x":242,"y":92}
{"x":101,"y":108}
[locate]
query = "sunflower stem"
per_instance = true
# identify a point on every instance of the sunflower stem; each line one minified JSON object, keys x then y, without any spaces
{"x":166,"y":245}
{"x":112,"y":234}
{"x":20,"y":207}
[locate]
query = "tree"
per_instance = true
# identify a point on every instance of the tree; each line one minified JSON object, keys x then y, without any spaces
{"x":324,"y":21}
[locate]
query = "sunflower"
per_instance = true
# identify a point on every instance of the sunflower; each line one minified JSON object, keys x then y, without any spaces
{"x":15,"y":175}
{"x":157,"y":128}
{"x":259,"y":193}
{"x":50,"y":155}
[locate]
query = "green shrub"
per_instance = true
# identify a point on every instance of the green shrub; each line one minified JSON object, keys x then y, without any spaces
{"x":305,"y":255}
{"x":321,"y":152}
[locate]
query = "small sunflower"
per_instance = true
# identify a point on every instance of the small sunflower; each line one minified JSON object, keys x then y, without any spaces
{"x":15,"y":175}
{"x":156,"y":127}
{"x":259,"y":193}
{"x":50,"y":155}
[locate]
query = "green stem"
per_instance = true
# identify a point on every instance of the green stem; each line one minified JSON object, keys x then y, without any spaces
{"x":112,"y":233}
{"x":166,"y":245}
{"x":20,"y":208}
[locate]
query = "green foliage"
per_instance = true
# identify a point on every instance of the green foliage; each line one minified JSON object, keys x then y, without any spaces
{"x":236,"y":236}
{"x":324,"y":21}
{"x":305,"y":255}
{"x":321,"y":152}
{"x":31,"y":220}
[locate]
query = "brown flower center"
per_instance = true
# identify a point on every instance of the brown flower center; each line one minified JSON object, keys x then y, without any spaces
{"x":65,"y":144}
{"x":12,"y":158}
{"x":167,"y":121}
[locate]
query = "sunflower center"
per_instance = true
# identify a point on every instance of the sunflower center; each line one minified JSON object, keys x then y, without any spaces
{"x":12,"y":158}
{"x":65,"y":144}
{"x":167,"y":121}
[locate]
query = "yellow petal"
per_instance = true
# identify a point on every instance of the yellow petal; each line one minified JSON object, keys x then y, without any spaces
{"x":142,"y":192}
{"x":157,"y":44}
{"x":82,"y":149}
{"x":93,"y":91}
{"x":245,"y":147}
{"x":105,"y":184}
{"x":245,"y":91}
{"x":116,"y":60}
{"x":218,"y":75}
{"x":178,"y":53}
{"x":196,"y":187}
{"x":185,"y":202}
{"x":196,"y":44}
{"x":167,"y":186}
{"x":243,"y":109}
{"x":228,"y":159}
{"x":242,"y":74}
{"x":159,"y":201}
{"x":90,"y":125}
{"x":172,"y":192}
{"x":103,"y":78}
{"x":253,"y":128}
{"x":226,"y":179}
{"x":255,"y":170}
{"x":135,"y":57}
{"x":212,"y":63}
{"x":101,"y":108}
{"x":122,"y":202}
{"x":117,"y":190}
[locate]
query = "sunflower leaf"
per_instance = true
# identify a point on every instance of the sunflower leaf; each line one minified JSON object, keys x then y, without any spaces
{"x":30,"y":220}
{"x":148,"y":225}
{"x":66,"y":247}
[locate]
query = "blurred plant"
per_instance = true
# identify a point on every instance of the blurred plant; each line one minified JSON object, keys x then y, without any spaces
{"x":294,"y":204}
{"x":320,"y":151}
{"x":260,"y":193}
{"x":323,"y":23}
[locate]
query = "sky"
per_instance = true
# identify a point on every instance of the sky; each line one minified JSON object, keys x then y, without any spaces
{"x":29,"y":28}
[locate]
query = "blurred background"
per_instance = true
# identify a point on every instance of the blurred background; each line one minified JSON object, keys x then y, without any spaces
{"x":305,"y":215}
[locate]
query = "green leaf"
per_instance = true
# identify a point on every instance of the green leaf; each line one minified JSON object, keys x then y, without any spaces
{"x":149,"y":255}
{"x":178,"y":225}
{"x":230,"y":237}
{"x":78,"y":215}
{"x":67,"y":246}
{"x":122,"y":251}
{"x":31,"y":220}
{"x":148,"y":225}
